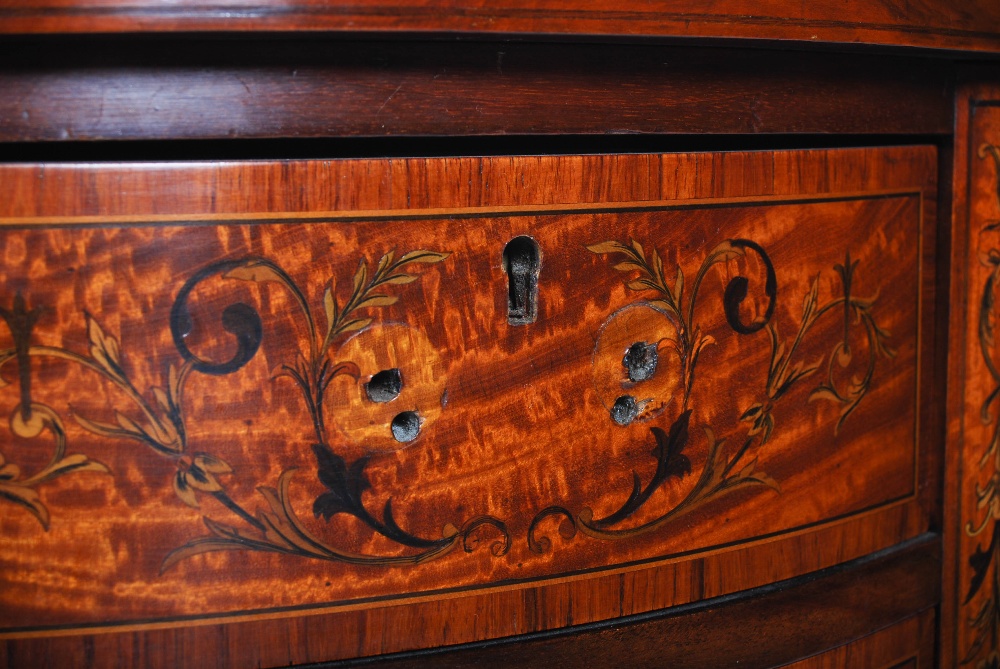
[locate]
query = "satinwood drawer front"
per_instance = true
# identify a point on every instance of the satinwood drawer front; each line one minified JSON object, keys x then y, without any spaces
{"x":499,"y":394}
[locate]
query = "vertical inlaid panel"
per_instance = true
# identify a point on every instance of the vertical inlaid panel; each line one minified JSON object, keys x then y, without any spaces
{"x":973,"y":495}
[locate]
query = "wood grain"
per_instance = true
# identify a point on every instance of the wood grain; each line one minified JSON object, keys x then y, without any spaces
{"x":761,"y":628}
{"x":843,"y":611}
{"x":66,"y":90}
{"x":928,"y":23}
{"x":969,"y":619}
{"x":905,"y":645}
{"x":524,"y":424}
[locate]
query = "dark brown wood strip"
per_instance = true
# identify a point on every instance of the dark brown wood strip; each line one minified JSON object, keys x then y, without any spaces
{"x":79,"y":90}
{"x":905,"y":645}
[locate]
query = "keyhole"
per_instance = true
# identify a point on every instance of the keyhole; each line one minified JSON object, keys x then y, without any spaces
{"x":520,"y":261}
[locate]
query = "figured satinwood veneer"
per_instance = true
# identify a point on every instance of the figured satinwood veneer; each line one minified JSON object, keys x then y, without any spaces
{"x":721,"y":388}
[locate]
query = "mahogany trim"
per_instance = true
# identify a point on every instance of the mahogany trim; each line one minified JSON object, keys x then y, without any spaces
{"x":762,"y":627}
{"x":66,"y":90}
{"x":939,"y":26}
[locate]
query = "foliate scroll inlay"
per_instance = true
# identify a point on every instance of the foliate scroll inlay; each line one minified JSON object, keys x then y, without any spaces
{"x":274,"y":414}
{"x":155,"y":417}
{"x":982,"y":598}
{"x":657,"y":377}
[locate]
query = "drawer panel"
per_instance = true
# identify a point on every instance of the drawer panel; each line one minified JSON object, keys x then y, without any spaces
{"x":324,"y":388}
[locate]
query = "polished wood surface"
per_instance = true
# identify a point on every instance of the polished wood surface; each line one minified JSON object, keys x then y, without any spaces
{"x":761,"y":628}
{"x":398,"y":377}
{"x":905,"y":645}
{"x":971,"y":616}
{"x":971,"y":25}
{"x":512,"y":500}
{"x":176,"y":89}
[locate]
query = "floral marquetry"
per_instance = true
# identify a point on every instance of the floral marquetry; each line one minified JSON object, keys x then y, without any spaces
{"x":333,"y":407}
{"x":971,"y":620}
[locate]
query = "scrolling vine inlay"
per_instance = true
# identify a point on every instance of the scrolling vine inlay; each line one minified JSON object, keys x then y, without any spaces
{"x":723,"y":472}
{"x":162,"y":426}
{"x":985,"y":561}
